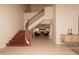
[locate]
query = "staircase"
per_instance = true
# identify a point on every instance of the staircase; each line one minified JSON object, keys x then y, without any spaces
{"x":18,"y":39}
{"x":38,"y":17}
{"x":23,"y":37}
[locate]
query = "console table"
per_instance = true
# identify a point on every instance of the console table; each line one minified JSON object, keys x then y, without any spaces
{"x":70,"y":39}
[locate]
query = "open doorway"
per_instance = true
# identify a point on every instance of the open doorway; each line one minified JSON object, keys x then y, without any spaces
{"x":41,"y":30}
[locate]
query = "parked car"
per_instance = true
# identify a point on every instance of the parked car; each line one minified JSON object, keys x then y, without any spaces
{"x":37,"y":33}
{"x":41,"y":32}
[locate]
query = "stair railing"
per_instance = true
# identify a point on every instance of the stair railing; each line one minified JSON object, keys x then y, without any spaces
{"x":30,"y":21}
{"x":36,"y":17}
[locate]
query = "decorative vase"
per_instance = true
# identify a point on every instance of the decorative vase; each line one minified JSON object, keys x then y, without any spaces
{"x":69,"y":31}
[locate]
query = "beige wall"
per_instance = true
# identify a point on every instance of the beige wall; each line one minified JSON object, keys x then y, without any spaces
{"x":11,"y":20}
{"x":54,"y":24}
{"x":66,"y":17}
{"x":48,"y":12}
{"x":38,"y":7}
{"x":26,"y":7}
{"x":50,"y":32}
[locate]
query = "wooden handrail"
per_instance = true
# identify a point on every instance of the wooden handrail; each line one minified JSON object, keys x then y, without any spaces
{"x":33,"y":19}
{"x":27,"y":25}
{"x":36,"y":14}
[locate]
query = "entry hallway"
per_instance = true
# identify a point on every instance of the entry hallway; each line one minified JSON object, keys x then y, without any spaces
{"x":40,"y":46}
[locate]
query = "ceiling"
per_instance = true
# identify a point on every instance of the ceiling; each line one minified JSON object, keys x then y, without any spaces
{"x":43,"y":26}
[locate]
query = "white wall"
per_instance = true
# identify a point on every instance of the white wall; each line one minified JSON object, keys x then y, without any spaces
{"x":11,"y":20}
{"x":66,"y":17}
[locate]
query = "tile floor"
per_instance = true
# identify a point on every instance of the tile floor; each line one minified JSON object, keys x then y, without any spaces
{"x":74,"y":48}
{"x":40,"y":46}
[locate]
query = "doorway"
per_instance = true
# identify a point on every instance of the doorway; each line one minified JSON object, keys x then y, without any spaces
{"x":41,"y":30}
